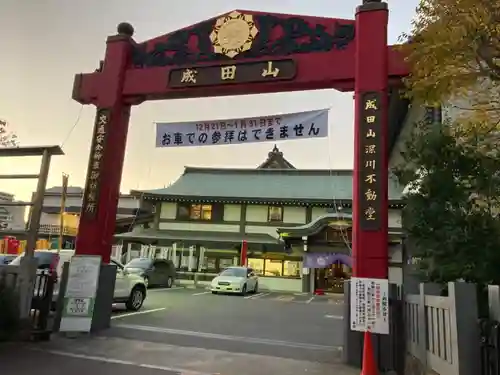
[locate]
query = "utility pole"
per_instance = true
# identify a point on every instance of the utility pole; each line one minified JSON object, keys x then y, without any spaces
{"x":64,"y":193}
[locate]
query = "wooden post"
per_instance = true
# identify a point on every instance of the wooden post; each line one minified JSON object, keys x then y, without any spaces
{"x":64,"y":194}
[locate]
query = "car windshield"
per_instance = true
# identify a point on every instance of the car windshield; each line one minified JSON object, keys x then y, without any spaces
{"x":139,"y":263}
{"x":238,"y":272}
{"x":44,"y":258}
{"x":5,"y":259}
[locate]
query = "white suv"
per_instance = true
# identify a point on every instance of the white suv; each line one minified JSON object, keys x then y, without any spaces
{"x":129,"y":288}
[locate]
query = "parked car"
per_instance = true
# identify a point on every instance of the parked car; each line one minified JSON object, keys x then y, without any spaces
{"x":48,"y":260}
{"x":130,"y":289}
{"x":6,"y":258}
{"x":239,"y":280}
{"x":155,"y":272}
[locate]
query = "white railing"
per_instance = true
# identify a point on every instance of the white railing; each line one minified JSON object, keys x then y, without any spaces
{"x":411,"y":321}
{"x":435,"y":337}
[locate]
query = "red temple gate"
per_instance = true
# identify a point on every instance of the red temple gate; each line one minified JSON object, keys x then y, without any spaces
{"x":247,"y":52}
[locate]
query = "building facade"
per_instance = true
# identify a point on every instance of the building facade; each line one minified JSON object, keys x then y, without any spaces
{"x":50,"y":221}
{"x":282,"y":213}
{"x":11,"y":217}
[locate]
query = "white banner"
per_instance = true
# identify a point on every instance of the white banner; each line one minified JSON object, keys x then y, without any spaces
{"x":370,"y":305}
{"x":301,"y":125}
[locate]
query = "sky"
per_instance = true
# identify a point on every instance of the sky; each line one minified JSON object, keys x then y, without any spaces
{"x":46,"y":42}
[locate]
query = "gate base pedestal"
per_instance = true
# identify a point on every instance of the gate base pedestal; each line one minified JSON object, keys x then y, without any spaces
{"x":104,"y":298}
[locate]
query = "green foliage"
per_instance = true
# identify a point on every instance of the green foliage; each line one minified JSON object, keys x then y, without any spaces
{"x":7,"y":138}
{"x":452,"y":205}
{"x":9,"y":312}
{"x":455,"y":50}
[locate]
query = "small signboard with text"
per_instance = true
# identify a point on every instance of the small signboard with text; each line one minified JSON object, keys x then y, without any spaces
{"x":94,"y":171}
{"x":370,"y":305}
{"x":81,"y":290}
{"x":248,"y":72}
{"x":301,"y":125}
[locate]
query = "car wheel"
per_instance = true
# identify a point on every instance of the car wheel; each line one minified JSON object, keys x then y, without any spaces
{"x":136,"y":298}
{"x":256,"y":289}
{"x":170,"y":282}
{"x":214,"y":292}
{"x":146,"y":281}
{"x":244,"y":290}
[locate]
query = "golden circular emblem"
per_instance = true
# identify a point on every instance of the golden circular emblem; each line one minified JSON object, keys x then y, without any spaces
{"x":233,"y":34}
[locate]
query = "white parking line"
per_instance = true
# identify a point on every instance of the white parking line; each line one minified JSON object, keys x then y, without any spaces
{"x":200,"y":294}
{"x":310,"y":299}
{"x":257,"y":296}
{"x":138,"y":313}
{"x":164,"y":289}
{"x":285,"y":298}
{"x":337,"y":317}
{"x":216,"y":336}
{"x":119,"y":362}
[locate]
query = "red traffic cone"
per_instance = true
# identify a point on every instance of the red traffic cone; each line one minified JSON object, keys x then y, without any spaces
{"x":369,"y":365}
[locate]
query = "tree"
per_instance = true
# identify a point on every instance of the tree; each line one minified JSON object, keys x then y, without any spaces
{"x":453,"y":50}
{"x":452,"y":204}
{"x":7,"y":138}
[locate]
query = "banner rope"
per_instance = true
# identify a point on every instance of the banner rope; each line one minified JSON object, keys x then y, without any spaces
{"x":343,"y":231}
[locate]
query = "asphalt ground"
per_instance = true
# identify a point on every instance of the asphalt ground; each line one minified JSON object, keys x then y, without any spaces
{"x":25,"y":361}
{"x":192,"y":332}
{"x":298,"y":326}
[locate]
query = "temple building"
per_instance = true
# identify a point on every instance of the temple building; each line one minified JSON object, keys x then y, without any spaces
{"x":296,"y":222}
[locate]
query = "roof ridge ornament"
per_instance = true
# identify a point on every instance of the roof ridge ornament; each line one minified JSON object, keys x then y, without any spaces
{"x":275,"y":152}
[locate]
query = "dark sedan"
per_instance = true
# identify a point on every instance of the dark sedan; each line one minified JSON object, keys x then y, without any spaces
{"x":156,"y":272}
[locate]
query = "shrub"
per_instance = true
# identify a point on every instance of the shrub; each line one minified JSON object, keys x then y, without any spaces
{"x":9,"y":312}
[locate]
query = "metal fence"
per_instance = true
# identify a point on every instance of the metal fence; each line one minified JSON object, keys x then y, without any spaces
{"x":40,"y":300}
{"x":41,"y":305}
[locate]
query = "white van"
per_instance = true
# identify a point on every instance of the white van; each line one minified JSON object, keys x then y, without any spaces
{"x":130,"y":288}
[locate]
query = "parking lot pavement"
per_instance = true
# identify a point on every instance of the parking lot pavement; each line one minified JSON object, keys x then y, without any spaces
{"x":192,"y":332}
{"x":263,"y":324}
{"x":333,"y":299}
{"x":26,"y":360}
{"x":298,"y":298}
{"x":109,"y":355}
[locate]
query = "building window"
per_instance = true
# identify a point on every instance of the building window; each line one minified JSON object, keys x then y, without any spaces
{"x":182,"y":211}
{"x":210,"y":265}
{"x":291,"y":268}
{"x":195,"y":212}
{"x":257,"y":265}
{"x":225,"y":263}
{"x":201,"y":212}
{"x":275,"y":213}
{"x":275,"y":268}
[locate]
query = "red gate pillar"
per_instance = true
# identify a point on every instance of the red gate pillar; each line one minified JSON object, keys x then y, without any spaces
{"x":370,"y":211}
{"x":244,"y":253}
{"x":102,"y":190}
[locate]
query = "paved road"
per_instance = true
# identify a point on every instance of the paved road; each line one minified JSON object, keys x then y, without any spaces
{"x":185,"y":331}
{"x":283,"y":325}
{"x":37,"y":362}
